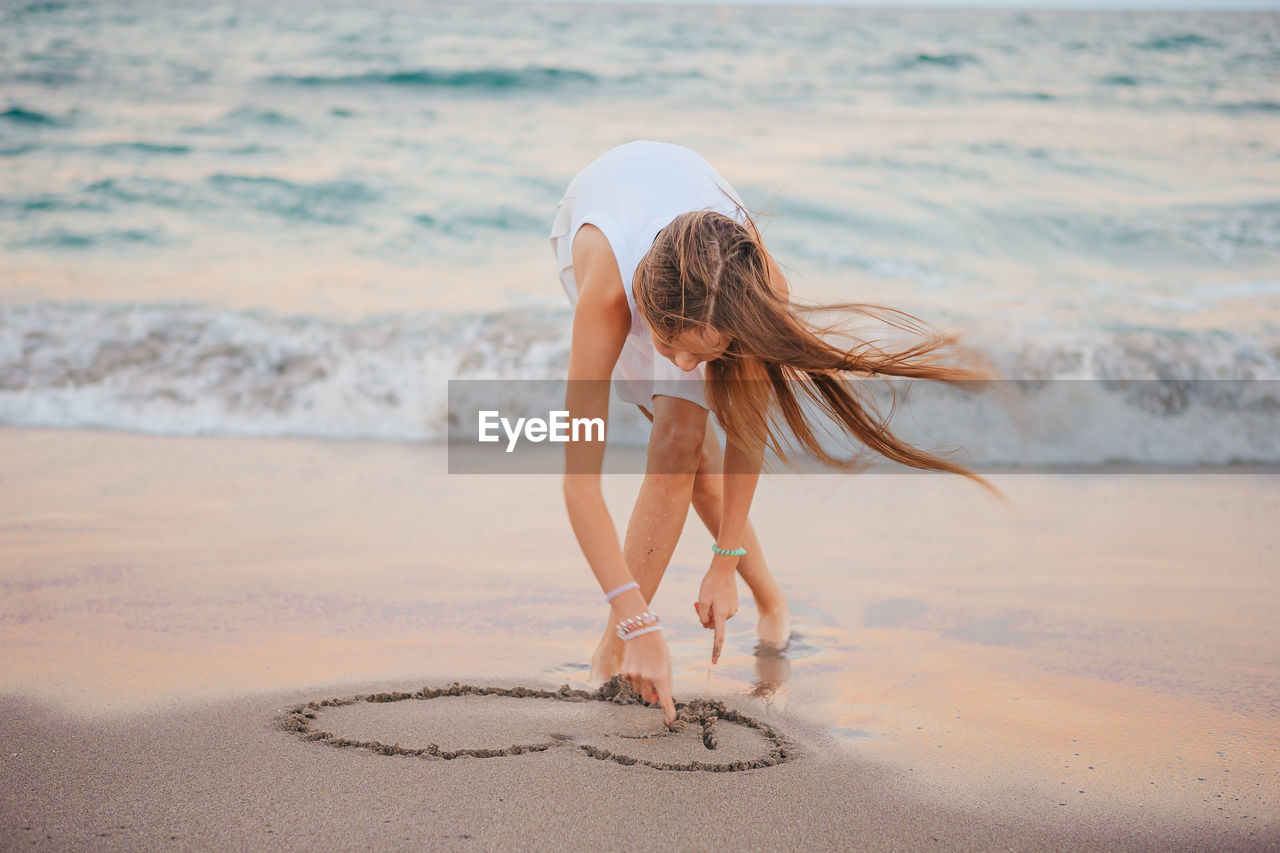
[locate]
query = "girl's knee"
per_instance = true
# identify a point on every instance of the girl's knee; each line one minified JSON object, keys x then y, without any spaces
{"x":708,"y":488}
{"x":677,"y":447}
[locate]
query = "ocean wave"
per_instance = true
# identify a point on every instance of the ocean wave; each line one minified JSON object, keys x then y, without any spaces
{"x":1177,"y":42}
{"x":139,"y":189}
{"x":104,"y":196}
{"x":330,"y":202}
{"x":494,"y":78}
{"x":60,"y":238}
{"x":337,"y":202}
{"x":52,"y":77}
{"x":1220,"y":232}
{"x":938,"y":60}
{"x":21,"y":115}
{"x":39,"y":8}
{"x":235,"y":121}
{"x":190,"y":370}
{"x":143,"y":148}
{"x":1249,"y":107}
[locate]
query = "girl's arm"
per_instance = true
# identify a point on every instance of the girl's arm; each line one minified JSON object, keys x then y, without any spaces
{"x":601,"y":322}
{"x":718,"y":597}
{"x":741,"y":473}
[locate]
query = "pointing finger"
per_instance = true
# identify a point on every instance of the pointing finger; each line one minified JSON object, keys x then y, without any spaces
{"x":719,"y":641}
{"x":664,"y":697}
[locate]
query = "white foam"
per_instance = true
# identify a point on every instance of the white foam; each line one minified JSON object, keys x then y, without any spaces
{"x":184,"y":370}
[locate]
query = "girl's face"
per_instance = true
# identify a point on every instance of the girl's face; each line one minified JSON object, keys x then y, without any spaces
{"x":692,"y":347}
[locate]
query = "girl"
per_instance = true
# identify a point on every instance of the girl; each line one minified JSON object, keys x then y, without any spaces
{"x":678,"y":305}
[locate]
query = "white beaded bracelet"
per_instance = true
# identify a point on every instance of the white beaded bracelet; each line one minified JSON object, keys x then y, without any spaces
{"x":612,"y":594}
{"x":628,"y":626}
{"x":631,"y":634}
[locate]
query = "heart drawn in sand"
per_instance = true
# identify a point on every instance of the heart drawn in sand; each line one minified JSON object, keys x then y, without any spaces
{"x":709,"y":719}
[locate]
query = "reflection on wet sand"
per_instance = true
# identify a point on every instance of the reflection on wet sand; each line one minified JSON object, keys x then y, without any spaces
{"x":773,"y":668}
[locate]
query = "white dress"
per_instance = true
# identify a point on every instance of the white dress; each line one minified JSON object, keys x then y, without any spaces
{"x":630,"y":193}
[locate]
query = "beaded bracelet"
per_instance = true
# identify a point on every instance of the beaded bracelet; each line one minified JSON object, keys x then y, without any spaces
{"x":632,"y":625}
{"x":736,"y":552}
{"x":639,"y":632}
{"x":612,"y":594}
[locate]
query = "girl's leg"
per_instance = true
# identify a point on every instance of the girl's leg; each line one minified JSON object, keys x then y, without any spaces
{"x":774,"y":626}
{"x":674,"y":454}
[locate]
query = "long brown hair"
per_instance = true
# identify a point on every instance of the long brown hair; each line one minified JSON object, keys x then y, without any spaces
{"x":707,"y":271}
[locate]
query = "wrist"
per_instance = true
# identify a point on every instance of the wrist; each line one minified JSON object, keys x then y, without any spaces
{"x":629,"y":603}
{"x":723,"y":564}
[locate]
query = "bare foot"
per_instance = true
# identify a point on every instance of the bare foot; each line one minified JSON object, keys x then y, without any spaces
{"x":606,"y":662}
{"x":774,"y":626}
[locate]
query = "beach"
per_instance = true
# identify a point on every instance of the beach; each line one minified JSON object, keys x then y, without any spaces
{"x":263,"y":263}
{"x":1091,"y":667}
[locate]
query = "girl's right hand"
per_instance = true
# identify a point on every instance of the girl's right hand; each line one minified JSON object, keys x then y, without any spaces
{"x":646,"y":665}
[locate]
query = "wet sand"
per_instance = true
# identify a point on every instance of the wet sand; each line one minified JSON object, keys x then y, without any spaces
{"x":1093,"y":667}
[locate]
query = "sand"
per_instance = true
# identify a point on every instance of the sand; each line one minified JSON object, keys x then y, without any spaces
{"x":219,"y":778}
{"x":1094,"y":668}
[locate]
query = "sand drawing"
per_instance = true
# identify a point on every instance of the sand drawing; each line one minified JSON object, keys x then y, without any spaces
{"x":698,"y":715}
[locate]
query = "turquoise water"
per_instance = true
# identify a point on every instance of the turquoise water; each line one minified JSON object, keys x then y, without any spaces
{"x":197,"y":199}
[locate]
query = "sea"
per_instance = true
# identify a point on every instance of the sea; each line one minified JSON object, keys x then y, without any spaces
{"x":304,"y":218}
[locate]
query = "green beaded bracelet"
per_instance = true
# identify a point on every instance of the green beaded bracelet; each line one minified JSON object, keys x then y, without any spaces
{"x":736,"y":552}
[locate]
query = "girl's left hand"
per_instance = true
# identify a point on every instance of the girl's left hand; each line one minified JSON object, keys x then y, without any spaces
{"x":718,"y":600}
